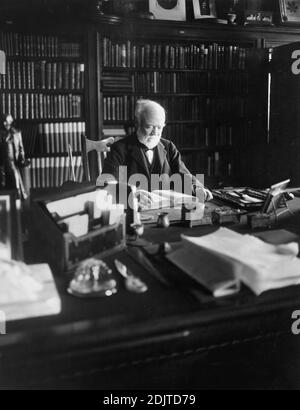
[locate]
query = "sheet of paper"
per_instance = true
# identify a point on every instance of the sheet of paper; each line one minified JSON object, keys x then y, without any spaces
{"x":163,"y":199}
{"x":115,"y":213}
{"x":65,"y":207}
{"x":78,"y":224}
{"x":175,"y":196}
{"x":151,"y":200}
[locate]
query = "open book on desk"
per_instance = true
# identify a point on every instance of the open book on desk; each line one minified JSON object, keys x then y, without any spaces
{"x":219,"y":261}
{"x":159,"y":199}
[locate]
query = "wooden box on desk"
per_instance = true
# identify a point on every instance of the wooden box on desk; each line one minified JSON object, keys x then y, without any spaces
{"x":63,"y":250}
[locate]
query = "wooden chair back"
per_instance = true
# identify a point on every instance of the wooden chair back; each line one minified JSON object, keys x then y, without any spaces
{"x":101,"y":147}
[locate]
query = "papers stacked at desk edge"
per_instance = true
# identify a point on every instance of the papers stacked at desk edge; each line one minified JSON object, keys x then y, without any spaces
{"x":27,"y":291}
{"x":224,"y":255}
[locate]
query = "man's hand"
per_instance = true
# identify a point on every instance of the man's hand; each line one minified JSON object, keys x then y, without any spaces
{"x":203,"y":194}
{"x":208,"y":194}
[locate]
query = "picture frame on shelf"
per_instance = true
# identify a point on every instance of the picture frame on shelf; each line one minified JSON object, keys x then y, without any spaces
{"x":204,"y":9}
{"x":289,"y":12}
{"x":5,"y":226}
{"x":168,"y":9}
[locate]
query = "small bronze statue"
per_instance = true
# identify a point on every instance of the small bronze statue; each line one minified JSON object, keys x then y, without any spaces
{"x":12,"y":156}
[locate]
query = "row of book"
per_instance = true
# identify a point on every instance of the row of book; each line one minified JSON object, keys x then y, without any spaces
{"x":30,"y":75}
{"x":176,"y":82}
{"x":178,"y":108}
{"x":119,"y":108}
{"x":212,"y":164}
{"x":48,"y":172}
{"x":41,"y":106}
{"x":204,"y":108}
{"x":54,"y":171}
{"x":120,"y":82}
{"x":51,"y":138}
{"x":30,"y":45}
{"x":199,"y":135}
{"x":204,"y":56}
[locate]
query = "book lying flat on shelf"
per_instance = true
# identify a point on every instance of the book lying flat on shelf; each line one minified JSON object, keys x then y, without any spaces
{"x":219,"y":261}
{"x":113,"y":131}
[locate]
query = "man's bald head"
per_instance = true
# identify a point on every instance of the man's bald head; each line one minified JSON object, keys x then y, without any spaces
{"x":149,"y":109}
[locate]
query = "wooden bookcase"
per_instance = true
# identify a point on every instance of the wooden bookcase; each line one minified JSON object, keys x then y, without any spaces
{"x":43,"y":89}
{"x":212,"y":79}
{"x":209,"y":88}
{"x":284,"y":141}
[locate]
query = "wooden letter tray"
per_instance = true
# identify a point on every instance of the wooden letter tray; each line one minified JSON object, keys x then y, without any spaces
{"x":62,"y":250}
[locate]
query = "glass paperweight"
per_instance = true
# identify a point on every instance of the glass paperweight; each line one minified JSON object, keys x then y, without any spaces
{"x":92,"y":278}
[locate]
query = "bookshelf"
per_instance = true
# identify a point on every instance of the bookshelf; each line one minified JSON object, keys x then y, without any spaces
{"x":216,"y":96}
{"x":207,"y":87}
{"x":43,"y":89}
{"x":284,"y":142}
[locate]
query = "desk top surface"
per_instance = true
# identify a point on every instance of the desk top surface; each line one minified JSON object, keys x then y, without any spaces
{"x":162,"y":308}
{"x":180,"y":314}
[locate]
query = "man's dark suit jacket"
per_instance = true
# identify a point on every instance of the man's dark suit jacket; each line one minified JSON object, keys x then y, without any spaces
{"x":129,"y":152}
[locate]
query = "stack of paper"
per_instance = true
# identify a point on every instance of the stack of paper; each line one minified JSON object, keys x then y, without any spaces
{"x":259,"y":265}
{"x":27,"y":290}
{"x":163,"y":199}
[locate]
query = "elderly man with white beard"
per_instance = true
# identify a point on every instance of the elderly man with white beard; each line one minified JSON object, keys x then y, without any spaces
{"x":143,"y":158}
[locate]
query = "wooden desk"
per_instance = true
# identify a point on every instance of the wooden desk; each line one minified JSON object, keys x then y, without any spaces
{"x":167,"y":338}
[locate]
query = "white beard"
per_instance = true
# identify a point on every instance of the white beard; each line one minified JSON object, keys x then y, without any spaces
{"x":149,"y":141}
